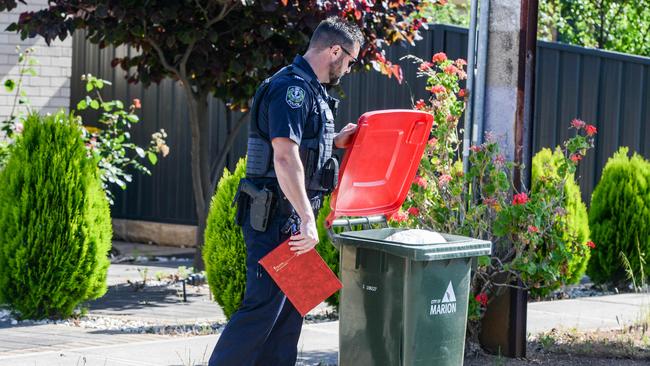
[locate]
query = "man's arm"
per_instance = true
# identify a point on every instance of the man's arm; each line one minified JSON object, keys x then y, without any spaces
{"x":291,"y":177}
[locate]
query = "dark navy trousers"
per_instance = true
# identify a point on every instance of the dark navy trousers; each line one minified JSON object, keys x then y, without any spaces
{"x":265,"y":329}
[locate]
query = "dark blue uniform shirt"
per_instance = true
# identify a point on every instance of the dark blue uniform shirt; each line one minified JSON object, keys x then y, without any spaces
{"x":290,"y":109}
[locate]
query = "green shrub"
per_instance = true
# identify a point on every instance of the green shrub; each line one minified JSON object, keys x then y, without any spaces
{"x":224,"y":251}
{"x":619,"y":218}
{"x":576,"y":220}
{"x":55,"y":228}
{"x":325,"y":248}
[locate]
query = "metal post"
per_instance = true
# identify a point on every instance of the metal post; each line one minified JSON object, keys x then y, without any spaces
{"x":471,"y":74}
{"x":479,"y":114}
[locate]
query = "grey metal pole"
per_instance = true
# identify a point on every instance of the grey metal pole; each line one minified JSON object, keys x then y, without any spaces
{"x":477,"y":128}
{"x":471,"y":72}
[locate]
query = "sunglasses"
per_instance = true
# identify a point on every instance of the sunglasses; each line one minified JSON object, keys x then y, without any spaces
{"x":354,"y":59}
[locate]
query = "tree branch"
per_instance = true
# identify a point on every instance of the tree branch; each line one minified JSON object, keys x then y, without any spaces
{"x":614,"y":18}
{"x":224,"y":12}
{"x":183,"y":64}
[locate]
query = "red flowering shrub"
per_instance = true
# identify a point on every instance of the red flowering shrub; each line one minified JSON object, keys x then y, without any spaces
{"x":530,"y":245}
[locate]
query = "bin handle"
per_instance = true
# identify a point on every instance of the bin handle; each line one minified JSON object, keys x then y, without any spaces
{"x":366,"y":221}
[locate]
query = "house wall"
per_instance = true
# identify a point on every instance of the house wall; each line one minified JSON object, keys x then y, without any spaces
{"x":50,"y":89}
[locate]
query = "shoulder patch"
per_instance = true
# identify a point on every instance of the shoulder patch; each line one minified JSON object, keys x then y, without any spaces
{"x":295,"y":96}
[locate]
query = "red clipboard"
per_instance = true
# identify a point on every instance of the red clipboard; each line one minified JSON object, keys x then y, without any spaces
{"x":305,"y":279}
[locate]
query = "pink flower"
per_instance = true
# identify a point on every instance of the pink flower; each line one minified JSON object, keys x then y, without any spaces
{"x":575,"y":158}
{"x":462,"y":93}
{"x":439,"y":57}
{"x":489,"y":201}
{"x":18,"y":127}
{"x":425,"y":66}
{"x":591,"y":244}
{"x":532,"y":229}
{"x":591,"y":130}
{"x":420,"y":181}
{"x":520,"y":198}
{"x":577,"y":123}
{"x":433,"y":141}
{"x":450,"y":70}
{"x":420,"y":104}
{"x":482,"y":298}
{"x":499,"y":160}
{"x":136,"y":103}
{"x":437,"y":89}
{"x":460,"y":62}
{"x":413,"y":211}
{"x":444,"y":180}
{"x":399,"y":216}
{"x":476,"y":148}
{"x":451,"y":118}
{"x":462,"y":75}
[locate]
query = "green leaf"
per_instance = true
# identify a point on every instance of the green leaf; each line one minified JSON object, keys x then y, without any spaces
{"x":94,"y":104}
{"x":82,"y":105}
{"x":99,"y":84}
{"x":484,"y":260}
{"x":132,"y":118}
{"x":119,"y":104}
{"x":10,"y":85}
{"x":89,"y":87}
{"x":152,"y":157}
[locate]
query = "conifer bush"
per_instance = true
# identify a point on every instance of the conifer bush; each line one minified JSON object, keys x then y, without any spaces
{"x":55,"y":228}
{"x":619,"y":218}
{"x":546,"y":164}
{"x":224,"y":250}
{"x":325,"y":248}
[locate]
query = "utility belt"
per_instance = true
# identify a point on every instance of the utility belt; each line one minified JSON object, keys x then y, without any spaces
{"x":264,"y":203}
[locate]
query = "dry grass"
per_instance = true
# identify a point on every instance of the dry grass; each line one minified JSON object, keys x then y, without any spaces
{"x":628,"y":346}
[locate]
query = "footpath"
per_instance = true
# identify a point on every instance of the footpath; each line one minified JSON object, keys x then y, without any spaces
{"x":154,"y":326}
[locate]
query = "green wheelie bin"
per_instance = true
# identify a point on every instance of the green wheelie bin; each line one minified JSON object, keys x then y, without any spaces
{"x":401,"y":304}
{"x":404,"y":304}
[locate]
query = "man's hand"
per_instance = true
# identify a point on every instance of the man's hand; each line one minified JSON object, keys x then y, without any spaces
{"x":344,"y":137}
{"x":307,"y":239}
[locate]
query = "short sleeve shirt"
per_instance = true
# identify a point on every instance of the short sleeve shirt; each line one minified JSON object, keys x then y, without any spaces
{"x":291,"y":107}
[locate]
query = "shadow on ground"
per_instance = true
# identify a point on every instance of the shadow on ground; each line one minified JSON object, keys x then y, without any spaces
{"x":316,"y":358}
{"x":123,"y":297}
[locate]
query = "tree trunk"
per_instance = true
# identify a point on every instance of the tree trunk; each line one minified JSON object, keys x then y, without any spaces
{"x":205,"y":173}
{"x":200,"y":161}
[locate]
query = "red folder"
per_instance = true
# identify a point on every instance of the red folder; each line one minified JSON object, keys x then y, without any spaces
{"x":305,"y":279}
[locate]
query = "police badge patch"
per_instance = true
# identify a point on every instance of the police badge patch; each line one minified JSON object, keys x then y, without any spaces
{"x":295,"y":96}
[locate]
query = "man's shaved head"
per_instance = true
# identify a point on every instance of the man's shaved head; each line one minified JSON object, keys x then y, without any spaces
{"x":336,"y":31}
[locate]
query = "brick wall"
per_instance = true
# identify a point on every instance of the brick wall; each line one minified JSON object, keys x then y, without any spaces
{"x":49,"y":91}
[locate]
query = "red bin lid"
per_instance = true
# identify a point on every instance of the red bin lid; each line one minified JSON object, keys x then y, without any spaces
{"x":381,"y":162}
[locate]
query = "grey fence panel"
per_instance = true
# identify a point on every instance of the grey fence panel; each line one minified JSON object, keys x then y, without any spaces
{"x":609,"y":90}
{"x":606,"y":89}
{"x":166,"y":195}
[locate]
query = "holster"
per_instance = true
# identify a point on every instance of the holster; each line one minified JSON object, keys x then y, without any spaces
{"x":259,"y":202}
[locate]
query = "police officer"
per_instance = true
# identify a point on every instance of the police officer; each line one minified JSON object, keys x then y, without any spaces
{"x":289,"y":169}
